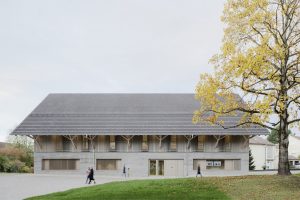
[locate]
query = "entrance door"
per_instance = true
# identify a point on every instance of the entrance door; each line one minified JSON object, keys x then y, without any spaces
{"x":174,"y":168}
{"x":156,"y":167}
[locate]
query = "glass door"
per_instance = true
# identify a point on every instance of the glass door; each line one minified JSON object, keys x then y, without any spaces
{"x":156,"y":167}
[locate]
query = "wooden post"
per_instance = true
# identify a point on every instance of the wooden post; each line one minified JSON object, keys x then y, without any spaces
{"x":189,"y":139}
{"x":247,"y":138}
{"x":128,"y":138}
{"x":160,"y":138}
{"x":72,"y":138}
{"x":36,"y":140}
{"x":91,"y":139}
{"x":218,"y":138}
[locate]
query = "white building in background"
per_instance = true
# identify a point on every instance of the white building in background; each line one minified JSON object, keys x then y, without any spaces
{"x":264,"y":153}
{"x":294,"y":146}
{"x":294,"y":150}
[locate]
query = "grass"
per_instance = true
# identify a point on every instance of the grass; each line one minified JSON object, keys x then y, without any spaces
{"x":245,"y":187}
{"x":143,"y":189}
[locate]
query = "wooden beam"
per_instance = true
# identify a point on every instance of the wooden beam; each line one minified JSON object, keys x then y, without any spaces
{"x":91,"y":139}
{"x":160,"y":138}
{"x":189,"y":139}
{"x":246,"y":139}
{"x":218,"y":138}
{"x":128,"y":138}
{"x":36,"y":140}
{"x":72,"y":138}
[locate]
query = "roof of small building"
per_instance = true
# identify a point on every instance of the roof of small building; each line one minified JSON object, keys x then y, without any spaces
{"x":123,"y":114}
{"x":260,"y":141}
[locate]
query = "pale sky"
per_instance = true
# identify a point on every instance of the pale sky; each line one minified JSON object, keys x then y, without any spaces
{"x":128,"y":46}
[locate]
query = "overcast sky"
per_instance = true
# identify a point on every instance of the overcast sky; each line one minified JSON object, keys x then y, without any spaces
{"x":96,"y":46}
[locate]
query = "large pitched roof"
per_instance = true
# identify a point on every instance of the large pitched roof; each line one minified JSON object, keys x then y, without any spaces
{"x":126,"y":114}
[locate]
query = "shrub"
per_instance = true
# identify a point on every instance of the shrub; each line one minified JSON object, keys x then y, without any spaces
{"x":4,"y":164}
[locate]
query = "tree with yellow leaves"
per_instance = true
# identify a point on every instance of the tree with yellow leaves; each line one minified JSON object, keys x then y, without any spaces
{"x":259,"y":61}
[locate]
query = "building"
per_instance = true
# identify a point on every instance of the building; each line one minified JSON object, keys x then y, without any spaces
{"x":148,"y":134}
{"x":264,"y":153}
{"x":294,"y":150}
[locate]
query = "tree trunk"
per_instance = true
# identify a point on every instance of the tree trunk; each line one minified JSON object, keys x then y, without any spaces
{"x":283,"y":164}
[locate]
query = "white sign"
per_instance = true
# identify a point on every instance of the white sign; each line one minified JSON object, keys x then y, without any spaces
{"x":217,"y":163}
{"x":209,"y":163}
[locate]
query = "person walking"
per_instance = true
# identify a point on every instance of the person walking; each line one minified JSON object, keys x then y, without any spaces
{"x":124,"y":171}
{"x":198,"y":172}
{"x":88,"y":175}
{"x":91,"y":176}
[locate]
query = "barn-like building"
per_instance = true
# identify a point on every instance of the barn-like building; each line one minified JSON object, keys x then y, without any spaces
{"x":149,"y":134}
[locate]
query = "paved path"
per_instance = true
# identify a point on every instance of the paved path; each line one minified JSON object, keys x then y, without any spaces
{"x":20,"y":186}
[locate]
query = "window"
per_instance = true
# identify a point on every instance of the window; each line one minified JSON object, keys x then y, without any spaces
{"x":108,"y":164}
{"x":230,"y":164}
{"x":214,"y":164}
{"x":60,"y":164}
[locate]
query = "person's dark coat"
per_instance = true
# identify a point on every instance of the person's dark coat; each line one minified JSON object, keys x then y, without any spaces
{"x":91,"y":175}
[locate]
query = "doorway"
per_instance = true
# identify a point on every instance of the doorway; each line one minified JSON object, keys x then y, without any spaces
{"x":156,"y":167}
{"x":173,"y":168}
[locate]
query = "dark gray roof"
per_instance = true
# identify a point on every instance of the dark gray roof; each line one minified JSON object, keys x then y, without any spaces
{"x":122,"y":114}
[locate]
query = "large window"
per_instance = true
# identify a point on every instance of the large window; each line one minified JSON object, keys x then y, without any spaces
{"x":214,"y":164}
{"x":108,"y":164}
{"x":228,"y":164}
{"x":60,"y":164}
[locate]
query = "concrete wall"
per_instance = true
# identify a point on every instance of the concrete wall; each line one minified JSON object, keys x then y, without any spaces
{"x":138,"y":161}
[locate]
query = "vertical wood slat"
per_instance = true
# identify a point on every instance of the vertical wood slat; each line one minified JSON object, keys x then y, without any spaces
{"x":58,"y":143}
{"x":201,"y":141}
{"x":228,"y":143}
{"x":145,"y":146}
{"x":173,"y":144}
{"x":112,"y":143}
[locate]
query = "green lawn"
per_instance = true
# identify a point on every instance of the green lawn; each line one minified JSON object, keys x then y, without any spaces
{"x":246,"y":187}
